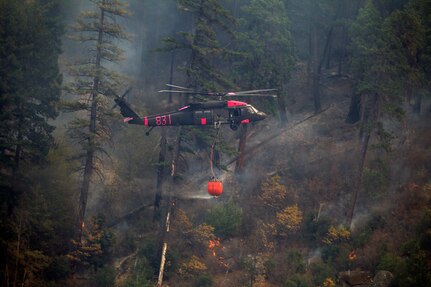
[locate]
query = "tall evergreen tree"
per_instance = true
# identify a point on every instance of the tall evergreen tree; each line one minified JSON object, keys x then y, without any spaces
{"x":366,"y":46}
{"x":267,"y":47}
{"x":204,"y":70}
{"x":367,"y":63}
{"x":95,"y":84}
{"x":202,"y":73}
{"x":418,"y":11}
{"x":384,"y":59}
{"x":266,"y":56}
{"x":204,"y":43}
{"x":313,"y":28}
{"x":29,"y":89}
{"x":405,"y":40}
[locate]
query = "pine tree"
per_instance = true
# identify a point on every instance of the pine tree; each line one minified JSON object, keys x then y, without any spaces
{"x":405,"y":41}
{"x":203,"y":43}
{"x":382,"y":58}
{"x":266,"y":57}
{"x":95,"y":84}
{"x":314,"y":23}
{"x":30,"y":82}
{"x":211,"y":23}
{"x":29,"y":89}
{"x":366,"y":46}
{"x":40,"y":229}
{"x":366,"y":64}
{"x":419,"y":11}
{"x":267,"y":48}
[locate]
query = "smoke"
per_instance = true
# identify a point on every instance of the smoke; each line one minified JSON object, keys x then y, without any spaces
{"x":196,"y":196}
{"x":360,"y":218}
{"x":315,"y":256}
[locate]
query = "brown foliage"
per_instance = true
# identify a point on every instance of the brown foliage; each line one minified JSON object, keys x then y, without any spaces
{"x":290,"y":218}
{"x":191,"y":267}
{"x":273,"y":192}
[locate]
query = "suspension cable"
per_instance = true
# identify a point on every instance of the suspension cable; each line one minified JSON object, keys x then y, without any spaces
{"x":212,"y":153}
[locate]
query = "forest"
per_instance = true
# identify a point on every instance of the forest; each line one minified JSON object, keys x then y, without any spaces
{"x":332,"y":188}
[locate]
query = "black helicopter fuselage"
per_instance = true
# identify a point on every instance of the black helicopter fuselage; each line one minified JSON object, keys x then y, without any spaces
{"x":214,"y":113}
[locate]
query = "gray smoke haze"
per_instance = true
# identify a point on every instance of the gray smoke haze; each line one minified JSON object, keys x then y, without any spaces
{"x":297,"y":153}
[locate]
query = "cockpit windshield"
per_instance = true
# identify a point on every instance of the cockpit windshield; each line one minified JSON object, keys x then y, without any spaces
{"x":252,"y":110}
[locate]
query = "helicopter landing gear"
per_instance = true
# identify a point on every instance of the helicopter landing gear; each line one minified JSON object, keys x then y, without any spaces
{"x":217,"y":124}
{"x":234,"y":125}
{"x":147,"y":133}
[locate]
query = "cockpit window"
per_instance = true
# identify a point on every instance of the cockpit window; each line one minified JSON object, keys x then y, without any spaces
{"x":252,"y":110}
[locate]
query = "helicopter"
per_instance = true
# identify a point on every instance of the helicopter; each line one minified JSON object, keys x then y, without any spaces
{"x":216,"y":113}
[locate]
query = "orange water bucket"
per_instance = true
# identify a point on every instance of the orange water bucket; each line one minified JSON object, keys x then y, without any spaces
{"x":215,"y":187}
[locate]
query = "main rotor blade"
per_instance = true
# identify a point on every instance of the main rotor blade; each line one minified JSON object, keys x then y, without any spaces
{"x":254,"y":91}
{"x":250,"y":95}
{"x":177,"y":87}
{"x":188,"y":92}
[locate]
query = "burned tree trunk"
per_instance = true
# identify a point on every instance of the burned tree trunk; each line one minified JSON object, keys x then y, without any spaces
{"x":170,"y":204}
{"x":239,"y":166}
{"x":89,"y":158}
{"x":93,"y":82}
{"x":343,"y":53}
{"x":160,"y":175}
{"x":354,"y":114}
{"x":162,"y":153}
{"x":282,"y":110}
{"x":418,"y":103}
{"x":370,"y":114}
{"x":316,"y":70}
{"x":358,"y":184}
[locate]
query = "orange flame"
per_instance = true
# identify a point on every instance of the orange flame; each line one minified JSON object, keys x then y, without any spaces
{"x":213,"y":244}
{"x":352,"y":255}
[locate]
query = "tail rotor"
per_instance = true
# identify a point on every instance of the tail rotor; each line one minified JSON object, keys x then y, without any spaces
{"x":121,"y":98}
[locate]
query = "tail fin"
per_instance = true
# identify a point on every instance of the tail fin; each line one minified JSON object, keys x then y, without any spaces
{"x":126,"y":111}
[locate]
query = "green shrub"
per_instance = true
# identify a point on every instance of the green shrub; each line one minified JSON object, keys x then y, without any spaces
{"x":364,"y":232}
{"x":142,"y":275}
{"x":424,"y":230}
{"x":315,"y":230}
{"x":297,"y":281}
{"x":270,"y":265}
{"x":296,"y":261}
{"x":204,"y":280}
{"x":147,"y":250}
{"x":410,"y":268}
{"x":225,"y":218}
{"x":320,"y":272}
{"x":58,"y":268}
{"x":389,"y":262}
{"x":413,"y":269}
{"x":105,"y":277}
{"x":376,"y":179}
{"x":330,"y":252}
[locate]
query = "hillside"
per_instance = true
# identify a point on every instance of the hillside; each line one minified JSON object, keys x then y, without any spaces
{"x":312,"y":163}
{"x":117,"y":114}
